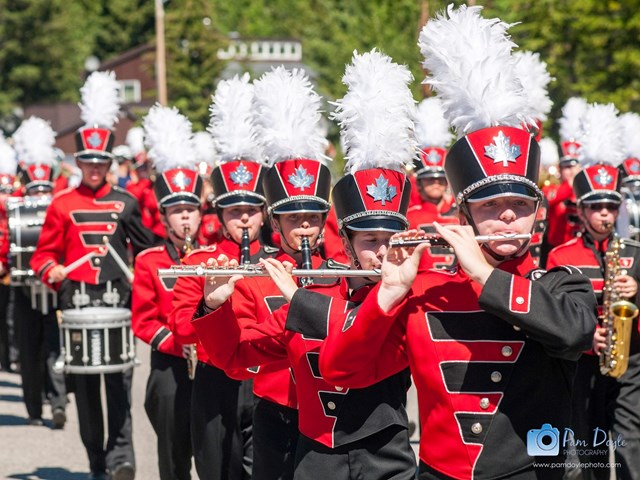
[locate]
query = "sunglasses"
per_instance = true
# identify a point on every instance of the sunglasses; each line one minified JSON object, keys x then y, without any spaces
{"x":596,"y":207}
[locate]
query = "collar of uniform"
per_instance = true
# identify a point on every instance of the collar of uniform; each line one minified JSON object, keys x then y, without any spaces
{"x":359,"y":294}
{"x":590,"y":242}
{"x":101,"y":192}
{"x":316,"y":259}
{"x":518,"y":266}
{"x":232,"y":249}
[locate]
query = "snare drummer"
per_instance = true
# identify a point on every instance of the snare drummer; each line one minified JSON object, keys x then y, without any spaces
{"x":178,"y":189}
{"x":34,"y":312}
{"x":77,"y":223}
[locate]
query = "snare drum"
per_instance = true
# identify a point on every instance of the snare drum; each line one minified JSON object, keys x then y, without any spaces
{"x":26,"y":217}
{"x":628,"y":222}
{"x":97,"y":340}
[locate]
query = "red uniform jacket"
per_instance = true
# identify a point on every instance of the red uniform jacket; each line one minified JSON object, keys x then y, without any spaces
{"x":332,"y":242}
{"x":187,"y":293}
{"x":489,"y":363}
{"x":210,"y":230}
{"x":152,"y":299}
{"x":588,"y":255}
{"x":253,"y":301}
{"x":76,"y":223}
{"x":329,"y":414}
{"x":564,"y":223}
{"x":422,"y":216}
{"x":142,"y":190}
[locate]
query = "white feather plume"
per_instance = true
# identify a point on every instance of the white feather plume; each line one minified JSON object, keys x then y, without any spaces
{"x":232,"y":122}
{"x":169,"y":138}
{"x":472,"y":70}
{"x":377,"y":114}
{"x":34,"y":141}
{"x":535,"y":80}
{"x":570,"y":122}
{"x":135,"y":140}
{"x":601,"y":140}
{"x":549,"y":155}
{"x":100,"y":102}
{"x":287,"y":116}
{"x":8,"y":160}
{"x":630,"y":124}
{"x":204,"y":148}
{"x":432,"y":129}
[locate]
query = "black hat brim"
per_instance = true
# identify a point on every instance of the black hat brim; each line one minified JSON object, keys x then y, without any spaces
{"x":377,"y":224}
{"x":302,"y":206}
{"x":602,"y":197}
{"x":235,"y":200}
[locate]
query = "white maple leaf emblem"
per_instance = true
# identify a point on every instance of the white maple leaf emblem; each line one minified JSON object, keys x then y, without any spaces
{"x":381,"y":191}
{"x":39,"y":172}
{"x":300,"y":178}
{"x":434,"y":157}
{"x":501,"y":150}
{"x":603,"y":178}
{"x":241,"y":176}
{"x":180,"y":180}
{"x":94,"y":140}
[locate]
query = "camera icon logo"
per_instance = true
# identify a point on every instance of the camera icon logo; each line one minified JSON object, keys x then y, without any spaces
{"x":543,"y":442}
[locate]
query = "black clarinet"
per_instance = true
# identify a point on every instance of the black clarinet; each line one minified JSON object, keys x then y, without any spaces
{"x":192,"y":353}
{"x":305,"y":249}
{"x":245,"y":248}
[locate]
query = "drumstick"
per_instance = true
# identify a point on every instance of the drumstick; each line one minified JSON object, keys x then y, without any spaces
{"x":73,"y":265}
{"x":119,"y":261}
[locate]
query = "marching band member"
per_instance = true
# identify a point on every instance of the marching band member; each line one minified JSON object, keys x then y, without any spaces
{"x":478,"y":337}
{"x":601,"y":401}
{"x":564,"y":223}
{"x":8,"y":169}
{"x":434,"y":137}
{"x":210,"y":231}
{"x":342,"y":430}
{"x":222,"y":442}
{"x":35,"y":316}
{"x":178,"y":188}
{"x":297,"y":188}
{"x":77,"y":222}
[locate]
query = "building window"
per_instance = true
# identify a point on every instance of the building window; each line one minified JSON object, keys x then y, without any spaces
{"x":130,"y":91}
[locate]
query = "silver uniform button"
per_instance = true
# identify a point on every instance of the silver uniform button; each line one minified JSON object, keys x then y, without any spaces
{"x":114,"y":216}
{"x":507,"y":351}
{"x":339,"y":389}
{"x":516,"y":328}
{"x":476,"y":428}
{"x":496,"y":377}
{"x":484,"y":403}
{"x":109,"y":227}
{"x":331,"y":406}
{"x":97,"y":261}
{"x":519,"y":300}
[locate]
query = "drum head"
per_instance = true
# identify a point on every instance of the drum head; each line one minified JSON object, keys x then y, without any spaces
{"x":96,"y":315}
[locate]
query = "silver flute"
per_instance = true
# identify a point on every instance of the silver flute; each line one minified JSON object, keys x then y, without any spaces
{"x":176,"y":271}
{"x":435,"y":241}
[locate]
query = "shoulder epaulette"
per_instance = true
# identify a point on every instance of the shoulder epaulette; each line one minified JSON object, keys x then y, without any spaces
{"x":269,"y":249}
{"x":570,"y":269}
{"x":119,"y":189}
{"x":332,"y":264}
{"x":629,"y":241}
{"x":149,"y":250}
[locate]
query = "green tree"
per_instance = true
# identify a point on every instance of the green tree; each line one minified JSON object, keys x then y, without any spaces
{"x":192,"y":44}
{"x":42,"y":54}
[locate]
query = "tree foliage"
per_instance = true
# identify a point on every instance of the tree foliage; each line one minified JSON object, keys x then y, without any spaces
{"x":590,"y":46}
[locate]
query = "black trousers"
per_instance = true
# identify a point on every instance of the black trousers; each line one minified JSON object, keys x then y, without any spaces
{"x":275,"y":437}
{"x":168,"y":406}
{"x":216,"y":434}
{"x":427,"y":473}
{"x":119,"y":446}
{"x":612,"y":405}
{"x":5,"y":342}
{"x":384,"y":455}
{"x":39,"y":342}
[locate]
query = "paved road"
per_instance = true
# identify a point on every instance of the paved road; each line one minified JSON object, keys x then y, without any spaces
{"x":41,"y":453}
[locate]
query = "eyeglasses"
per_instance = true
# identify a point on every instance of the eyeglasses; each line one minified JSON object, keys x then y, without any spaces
{"x":596,"y":207}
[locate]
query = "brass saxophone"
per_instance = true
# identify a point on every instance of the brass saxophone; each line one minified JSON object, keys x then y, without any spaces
{"x":192,"y":353}
{"x":617,"y":318}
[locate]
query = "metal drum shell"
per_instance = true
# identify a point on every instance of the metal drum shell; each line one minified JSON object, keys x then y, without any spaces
{"x":25,"y":219}
{"x":628,"y":222}
{"x":111,"y":326}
